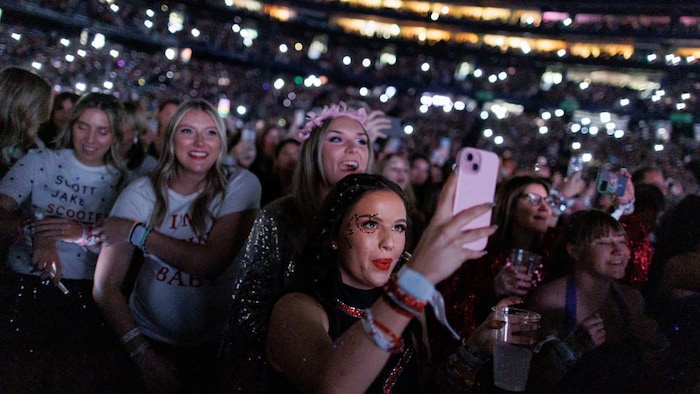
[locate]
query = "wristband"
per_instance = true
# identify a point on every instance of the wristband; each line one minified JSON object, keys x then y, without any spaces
{"x":131,"y":232}
{"x":142,"y":244}
{"x":420,"y":288}
{"x":414,"y":284}
{"x":136,"y":234}
{"x":139,"y":234}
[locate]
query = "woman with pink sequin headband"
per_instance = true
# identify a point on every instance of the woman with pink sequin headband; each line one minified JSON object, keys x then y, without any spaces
{"x":373,"y":121}
{"x":336,"y":144}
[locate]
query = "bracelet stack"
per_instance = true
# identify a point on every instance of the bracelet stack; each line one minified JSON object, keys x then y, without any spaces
{"x":139,"y":234}
{"x":130,"y":336}
{"x":407,"y":293}
{"x":401,"y":301}
{"x":413,"y":291}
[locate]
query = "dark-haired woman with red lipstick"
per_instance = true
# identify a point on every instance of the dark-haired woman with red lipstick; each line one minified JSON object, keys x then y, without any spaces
{"x":355,"y":321}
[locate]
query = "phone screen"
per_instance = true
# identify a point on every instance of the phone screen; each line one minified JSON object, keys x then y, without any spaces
{"x":609,"y":182}
{"x":223,"y":107}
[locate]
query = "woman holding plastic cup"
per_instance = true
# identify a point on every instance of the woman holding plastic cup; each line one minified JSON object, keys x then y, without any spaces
{"x":594,"y":332}
{"x":513,"y":345}
{"x":523,"y":214}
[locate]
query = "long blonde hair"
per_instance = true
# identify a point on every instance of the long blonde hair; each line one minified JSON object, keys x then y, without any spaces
{"x":25,"y":103}
{"x":166,"y":170}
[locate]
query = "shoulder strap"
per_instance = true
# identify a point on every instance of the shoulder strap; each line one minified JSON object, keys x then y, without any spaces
{"x":570,"y":307}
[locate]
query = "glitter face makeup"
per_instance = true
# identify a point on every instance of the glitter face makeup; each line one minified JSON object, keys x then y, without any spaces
{"x":375,"y":237}
{"x":364,"y":223}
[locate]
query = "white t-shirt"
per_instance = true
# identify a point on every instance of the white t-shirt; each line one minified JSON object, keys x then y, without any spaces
{"x":55,"y":183}
{"x":168,"y":304}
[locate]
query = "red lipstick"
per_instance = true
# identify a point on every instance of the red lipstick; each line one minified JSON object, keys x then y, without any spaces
{"x":382,"y":264}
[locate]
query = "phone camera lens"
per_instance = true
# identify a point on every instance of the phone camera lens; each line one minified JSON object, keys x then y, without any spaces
{"x":475,"y":167}
{"x":470,"y":157}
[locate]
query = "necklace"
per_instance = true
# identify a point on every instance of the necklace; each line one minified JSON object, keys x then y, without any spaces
{"x":349,"y":310}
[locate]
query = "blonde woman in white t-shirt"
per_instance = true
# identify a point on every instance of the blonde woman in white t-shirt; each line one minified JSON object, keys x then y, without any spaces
{"x":50,"y":202}
{"x":189,"y":218}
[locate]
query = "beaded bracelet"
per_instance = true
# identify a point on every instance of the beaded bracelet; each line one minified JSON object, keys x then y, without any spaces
{"x":381,"y":335}
{"x":133,"y":333}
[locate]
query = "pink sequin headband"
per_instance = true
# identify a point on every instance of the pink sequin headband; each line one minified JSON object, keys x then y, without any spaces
{"x":314,"y":120}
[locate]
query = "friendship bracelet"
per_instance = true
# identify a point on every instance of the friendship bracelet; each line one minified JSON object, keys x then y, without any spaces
{"x":398,"y":342}
{"x":139,"y":349}
{"x":130,"y":335}
{"x":396,"y":306}
{"x":403,"y":300}
{"x":378,"y":334}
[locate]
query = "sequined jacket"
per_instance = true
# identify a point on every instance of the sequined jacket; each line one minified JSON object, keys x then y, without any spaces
{"x":267,"y":265}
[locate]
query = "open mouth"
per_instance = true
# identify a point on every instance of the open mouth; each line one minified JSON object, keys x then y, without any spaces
{"x":198,"y":155}
{"x":382,"y":264}
{"x":350,"y":165}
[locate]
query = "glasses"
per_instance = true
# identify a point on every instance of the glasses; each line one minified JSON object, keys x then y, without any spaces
{"x":535,"y":199}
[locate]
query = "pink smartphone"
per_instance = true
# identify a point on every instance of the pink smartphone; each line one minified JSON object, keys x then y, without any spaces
{"x":477,"y":173}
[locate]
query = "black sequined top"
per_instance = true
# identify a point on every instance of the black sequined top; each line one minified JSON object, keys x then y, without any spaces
{"x":267,"y":269}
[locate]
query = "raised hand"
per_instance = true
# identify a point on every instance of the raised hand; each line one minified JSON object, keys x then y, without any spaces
{"x":441,"y":249}
{"x":513,"y":280}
